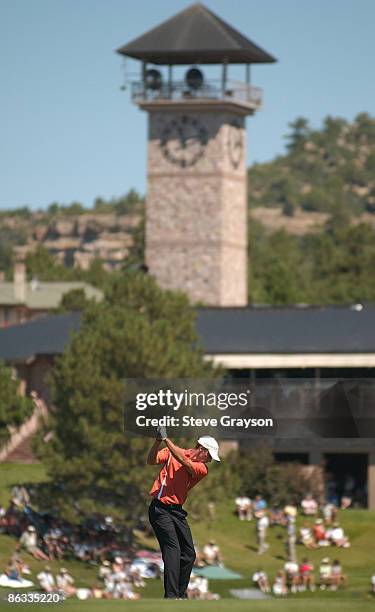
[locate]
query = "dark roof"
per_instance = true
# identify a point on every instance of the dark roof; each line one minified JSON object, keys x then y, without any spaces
{"x":43,"y":336}
{"x":195,"y":35}
{"x":224,"y":330}
{"x":287,"y":330}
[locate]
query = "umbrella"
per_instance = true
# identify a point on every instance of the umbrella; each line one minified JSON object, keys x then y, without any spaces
{"x":216,"y":572}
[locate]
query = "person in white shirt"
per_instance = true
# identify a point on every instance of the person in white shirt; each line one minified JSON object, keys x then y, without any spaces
{"x":306,"y":536}
{"x":65,"y":582}
{"x":292,"y":575}
{"x":211,"y":553}
{"x":309,"y":505}
{"x":279,"y":585}
{"x":337,"y":536}
{"x":325,"y":573}
{"x":104,"y":569}
{"x":260,"y":578}
{"x":46,"y":580}
{"x":261,"y":528}
{"x":29,"y":541}
{"x":243,"y":508}
{"x":373,"y":583}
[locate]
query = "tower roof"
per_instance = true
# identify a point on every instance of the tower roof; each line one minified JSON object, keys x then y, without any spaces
{"x":195,"y":35}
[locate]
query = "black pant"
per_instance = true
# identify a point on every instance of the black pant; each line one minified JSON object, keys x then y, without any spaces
{"x":174,"y":536}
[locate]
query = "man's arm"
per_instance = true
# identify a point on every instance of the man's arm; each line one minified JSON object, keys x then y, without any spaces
{"x":178,"y":454}
{"x":151,"y":457}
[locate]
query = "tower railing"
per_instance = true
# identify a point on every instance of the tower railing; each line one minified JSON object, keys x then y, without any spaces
{"x":210,"y":90}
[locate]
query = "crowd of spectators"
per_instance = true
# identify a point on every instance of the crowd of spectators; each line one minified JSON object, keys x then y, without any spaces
{"x":324,"y":531}
{"x":294,"y":577}
{"x":48,"y":538}
{"x":100,"y":541}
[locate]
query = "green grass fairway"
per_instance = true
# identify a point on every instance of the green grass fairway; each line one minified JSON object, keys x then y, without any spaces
{"x":15,"y":473}
{"x":237,"y":542}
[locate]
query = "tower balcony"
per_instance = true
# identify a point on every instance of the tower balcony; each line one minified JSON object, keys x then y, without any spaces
{"x":210,"y":93}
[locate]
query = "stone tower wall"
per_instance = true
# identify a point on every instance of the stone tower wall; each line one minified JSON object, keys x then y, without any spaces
{"x":196,"y":215}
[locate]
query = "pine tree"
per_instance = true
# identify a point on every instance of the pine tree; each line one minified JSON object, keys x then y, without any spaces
{"x":14,"y":409}
{"x":138,"y":331}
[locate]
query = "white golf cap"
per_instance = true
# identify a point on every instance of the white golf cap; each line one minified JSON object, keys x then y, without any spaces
{"x":211,"y":445}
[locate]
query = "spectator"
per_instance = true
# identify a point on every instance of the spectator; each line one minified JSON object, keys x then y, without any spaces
{"x":279,"y":585}
{"x":291,"y":534}
{"x":338,"y":537}
{"x":29,"y":541}
{"x":349,"y":486}
{"x":329,"y":513}
{"x":46,"y":580}
{"x":259,"y":506}
{"x":135,"y":575}
{"x":306,"y":536}
{"x":292,"y":575}
{"x":201,"y":586}
{"x":346,"y":502}
{"x":104,"y":569}
{"x":290,"y":511}
{"x":325,"y":574}
{"x":307,"y":579}
{"x":193,"y":590}
{"x":309,"y":505}
{"x":243,"y":508}
{"x":211,"y":508}
{"x":12,"y":572}
{"x":198,"y":588}
{"x":319,"y":533}
{"x":52,"y":545}
{"x":262,"y":524}
{"x":338,"y":578}
{"x":260,"y":579}
{"x":211,"y":553}
{"x":65,"y":582}
{"x":20,"y":496}
{"x":20,"y":564}
{"x":373,"y":583}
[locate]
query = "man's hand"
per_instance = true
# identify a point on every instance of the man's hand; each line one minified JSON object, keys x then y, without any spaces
{"x":161,"y":432}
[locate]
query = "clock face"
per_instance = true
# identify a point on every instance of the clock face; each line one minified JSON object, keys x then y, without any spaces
{"x":235,"y":143}
{"x":183,"y":141}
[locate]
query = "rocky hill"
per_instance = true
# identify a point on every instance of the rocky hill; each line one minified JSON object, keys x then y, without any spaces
{"x":330,"y":171}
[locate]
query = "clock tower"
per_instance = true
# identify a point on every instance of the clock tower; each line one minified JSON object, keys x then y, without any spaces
{"x":196,"y":203}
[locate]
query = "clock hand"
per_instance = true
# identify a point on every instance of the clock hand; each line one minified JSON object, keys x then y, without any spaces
{"x":182,"y":137}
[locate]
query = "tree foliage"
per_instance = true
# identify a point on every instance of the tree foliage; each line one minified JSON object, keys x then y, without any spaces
{"x":73,"y":300}
{"x":138,"y":331}
{"x":257,"y":472}
{"x":332,"y":267}
{"x":322,"y":169}
{"x":14,"y":409}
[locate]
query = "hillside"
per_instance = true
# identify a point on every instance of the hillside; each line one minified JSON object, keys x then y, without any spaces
{"x":311,"y":229}
{"x":328,"y":170}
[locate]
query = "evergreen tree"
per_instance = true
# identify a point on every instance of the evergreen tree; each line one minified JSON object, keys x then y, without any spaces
{"x":14,"y":409}
{"x":138,"y":331}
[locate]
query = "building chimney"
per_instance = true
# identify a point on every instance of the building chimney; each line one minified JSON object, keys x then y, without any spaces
{"x":19,"y":281}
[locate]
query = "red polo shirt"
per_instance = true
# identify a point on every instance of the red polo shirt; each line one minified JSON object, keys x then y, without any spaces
{"x":174,"y":481}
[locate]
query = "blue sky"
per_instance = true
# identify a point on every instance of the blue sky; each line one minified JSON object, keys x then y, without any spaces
{"x":69,"y":134}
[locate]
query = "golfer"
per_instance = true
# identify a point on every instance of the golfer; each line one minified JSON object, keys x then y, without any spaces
{"x":181,"y":471}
